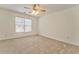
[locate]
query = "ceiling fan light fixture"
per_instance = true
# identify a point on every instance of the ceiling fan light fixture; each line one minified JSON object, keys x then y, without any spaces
{"x":33,"y":12}
{"x":37,"y":12}
{"x":36,"y":9}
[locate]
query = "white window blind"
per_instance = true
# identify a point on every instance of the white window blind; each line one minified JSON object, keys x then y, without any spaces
{"x":28,"y":24}
{"x":23,"y":25}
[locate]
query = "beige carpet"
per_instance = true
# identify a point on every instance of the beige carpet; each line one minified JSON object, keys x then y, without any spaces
{"x":36,"y":44}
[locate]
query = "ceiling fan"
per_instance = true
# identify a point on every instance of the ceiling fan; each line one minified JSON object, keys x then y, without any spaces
{"x":36,"y":9}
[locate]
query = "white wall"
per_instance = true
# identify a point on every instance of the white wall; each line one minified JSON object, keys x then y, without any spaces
{"x":7,"y":24}
{"x":62,"y":25}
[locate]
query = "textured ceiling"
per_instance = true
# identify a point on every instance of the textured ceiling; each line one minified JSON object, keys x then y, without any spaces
{"x":49,"y":7}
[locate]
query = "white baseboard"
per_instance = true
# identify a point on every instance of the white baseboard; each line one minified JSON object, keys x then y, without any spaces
{"x":14,"y":36}
{"x":68,"y":42}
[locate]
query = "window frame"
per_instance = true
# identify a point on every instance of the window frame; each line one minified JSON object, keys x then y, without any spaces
{"x":24,"y":24}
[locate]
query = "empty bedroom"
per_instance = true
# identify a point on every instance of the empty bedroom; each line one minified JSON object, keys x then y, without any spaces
{"x":39,"y":28}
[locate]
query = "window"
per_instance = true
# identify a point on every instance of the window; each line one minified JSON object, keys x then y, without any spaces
{"x":23,"y":25}
{"x":19,"y":24}
{"x":28,"y":24}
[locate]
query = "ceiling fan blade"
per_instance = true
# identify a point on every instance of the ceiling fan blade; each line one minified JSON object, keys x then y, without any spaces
{"x":43,"y":10}
{"x":27,"y":8}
